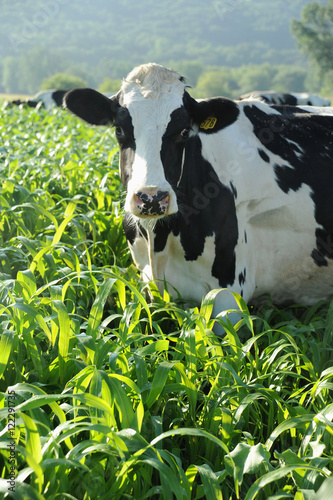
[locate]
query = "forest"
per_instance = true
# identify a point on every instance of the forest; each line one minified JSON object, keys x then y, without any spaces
{"x":224,"y":46}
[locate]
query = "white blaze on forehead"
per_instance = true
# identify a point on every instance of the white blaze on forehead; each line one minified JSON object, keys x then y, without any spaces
{"x":151,"y":81}
{"x":150,"y":93}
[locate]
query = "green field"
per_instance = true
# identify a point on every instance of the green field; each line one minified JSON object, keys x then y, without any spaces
{"x":106,"y":395}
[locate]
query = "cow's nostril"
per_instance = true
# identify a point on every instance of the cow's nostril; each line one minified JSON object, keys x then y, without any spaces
{"x":142,"y":196}
{"x":161,"y":195}
{"x":151,"y":197}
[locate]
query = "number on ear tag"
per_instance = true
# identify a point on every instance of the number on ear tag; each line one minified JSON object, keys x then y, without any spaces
{"x":209,"y":123}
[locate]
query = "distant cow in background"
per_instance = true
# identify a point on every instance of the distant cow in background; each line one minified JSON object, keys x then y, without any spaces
{"x":292,"y":99}
{"x":46,"y":98}
{"x":50,"y":98}
{"x":221,"y":193}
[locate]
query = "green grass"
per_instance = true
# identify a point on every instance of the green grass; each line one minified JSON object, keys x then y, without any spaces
{"x":119,"y":397}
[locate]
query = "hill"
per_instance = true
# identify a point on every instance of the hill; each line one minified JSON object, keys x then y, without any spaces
{"x":106,"y":38}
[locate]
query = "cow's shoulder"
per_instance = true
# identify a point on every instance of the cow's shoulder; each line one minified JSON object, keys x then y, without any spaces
{"x":297,"y":144}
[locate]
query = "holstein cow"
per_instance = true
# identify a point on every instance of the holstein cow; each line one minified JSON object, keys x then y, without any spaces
{"x":50,"y":98}
{"x":47,"y":99}
{"x":292,"y":99}
{"x":221,"y":194}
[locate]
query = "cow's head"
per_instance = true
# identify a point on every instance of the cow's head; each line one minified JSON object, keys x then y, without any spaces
{"x":154,"y":118}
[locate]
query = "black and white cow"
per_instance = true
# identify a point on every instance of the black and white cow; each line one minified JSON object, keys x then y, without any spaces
{"x":50,"y":98}
{"x":221,"y":194}
{"x":46,"y":98}
{"x":291,"y":99}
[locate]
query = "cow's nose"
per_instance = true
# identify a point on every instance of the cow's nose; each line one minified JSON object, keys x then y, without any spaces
{"x":151,"y":202}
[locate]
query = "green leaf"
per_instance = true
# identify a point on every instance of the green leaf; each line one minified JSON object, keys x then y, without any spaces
{"x":159,"y":380}
{"x":292,"y":423}
{"x":64,"y":335}
{"x":273,"y":476}
{"x":61,"y":229}
{"x":189,"y":431}
{"x":6,"y":344}
{"x":33,"y":446}
{"x":28,"y":280}
{"x":288,"y":457}
{"x":36,"y":315}
{"x":210,"y":482}
{"x":246,"y":459}
{"x":97,"y":309}
{"x":325,"y":490}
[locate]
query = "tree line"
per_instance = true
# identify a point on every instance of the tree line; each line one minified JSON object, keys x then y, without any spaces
{"x":212,"y":70}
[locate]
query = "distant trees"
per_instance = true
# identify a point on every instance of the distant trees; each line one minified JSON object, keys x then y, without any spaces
{"x":233,"y":82}
{"x":289,"y":78}
{"x":110,"y":85}
{"x":314,"y":35}
{"x":63,"y":81}
{"x":11,"y":76}
{"x":217,"y":82}
{"x":25,"y":74}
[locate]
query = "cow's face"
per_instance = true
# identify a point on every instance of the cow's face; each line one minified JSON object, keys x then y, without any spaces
{"x":152,"y":127}
{"x":153,"y":117}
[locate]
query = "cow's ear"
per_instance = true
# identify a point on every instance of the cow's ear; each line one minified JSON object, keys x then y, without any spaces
{"x":92,"y":106}
{"x":211,"y":115}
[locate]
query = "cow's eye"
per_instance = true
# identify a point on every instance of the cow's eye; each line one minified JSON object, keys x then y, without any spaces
{"x":119,"y":132}
{"x":185,"y":133}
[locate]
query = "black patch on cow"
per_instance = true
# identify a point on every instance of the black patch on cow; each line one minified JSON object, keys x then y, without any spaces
{"x":242,"y":277}
{"x":32,"y":104}
{"x":173,"y":144}
{"x":233,"y":189}
{"x":207,"y":208}
{"x":130,"y":228}
{"x":133,"y":229}
{"x":58,"y":96}
{"x":162,"y":230}
{"x":245,"y":237}
{"x":223,"y":110}
{"x":324,"y":248}
{"x":264,"y":155}
{"x":305,"y":142}
{"x":289,"y":100}
{"x":91,"y":106}
{"x":286,"y":179}
{"x":127,"y":144}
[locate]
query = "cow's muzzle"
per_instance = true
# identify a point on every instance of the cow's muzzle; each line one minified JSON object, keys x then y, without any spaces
{"x":150,"y":202}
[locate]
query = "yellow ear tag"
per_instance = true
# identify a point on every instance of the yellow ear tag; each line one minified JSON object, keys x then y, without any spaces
{"x":209,"y":123}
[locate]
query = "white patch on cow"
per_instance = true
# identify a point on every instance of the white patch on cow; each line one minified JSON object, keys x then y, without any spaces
{"x":317,"y":110}
{"x":151,"y":93}
{"x":181,"y":168}
{"x":279,"y":98}
{"x":316,"y":100}
{"x":46,"y":97}
{"x":171,"y":266}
